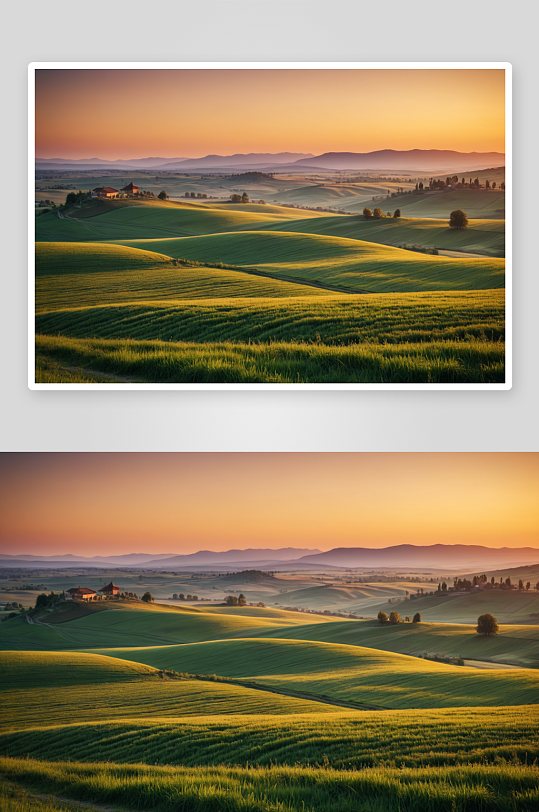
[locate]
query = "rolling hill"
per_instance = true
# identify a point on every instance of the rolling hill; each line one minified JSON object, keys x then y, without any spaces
{"x":508,"y":606}
{"x":134,"y":624}
{"x":516,"y":645}
{"x":346,"y":740}
{"x":364,"y":676}
{"x":103,"y":221}
{"x":355,"y":266}
{"x":485,"y":237}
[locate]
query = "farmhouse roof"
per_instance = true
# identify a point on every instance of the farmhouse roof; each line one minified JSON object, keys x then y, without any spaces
{"x":81,"y":590}
{"x":129,"y":188}
{"x":109,"y":587}
{"x":104,"y":189}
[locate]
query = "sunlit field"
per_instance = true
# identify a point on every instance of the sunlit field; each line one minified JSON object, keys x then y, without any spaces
{"x":265,"y":294}
{"x":162,"y":707}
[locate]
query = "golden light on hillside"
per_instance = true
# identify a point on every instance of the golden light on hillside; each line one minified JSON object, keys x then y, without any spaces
{"x":112,"y":503}
{"x":190,"y":113}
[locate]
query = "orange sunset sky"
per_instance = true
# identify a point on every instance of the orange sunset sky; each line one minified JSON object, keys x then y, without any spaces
{"x":190,"y":113}
{"x":97,"y":504}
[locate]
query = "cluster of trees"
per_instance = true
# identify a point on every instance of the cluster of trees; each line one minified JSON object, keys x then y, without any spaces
{"x":162,"y":195}
{"x":465,"y":585}
{"x":44,"y":601}
{"x":244,"y":198}
{"x":231,"y":600}
{"x":454,"y":183}
{"x":147,"y":597}
{"x":76,"y":197}
{"x":195,"y":194}
{"x":486,"y":624}
{"x":181,"y":597}
{"x":377,"y":214}
{"x":394,"y":617}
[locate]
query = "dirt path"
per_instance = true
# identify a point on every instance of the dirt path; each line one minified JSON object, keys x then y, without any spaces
{"x":63,"y":216}
{"x":299,"y":281}
{"x":487,"y":664}
{"x":108,"y":375}
{"x":36,"y":622}
{"x":27,"y":797}
{"x":446,"y":252}
{"x":324,"y":700}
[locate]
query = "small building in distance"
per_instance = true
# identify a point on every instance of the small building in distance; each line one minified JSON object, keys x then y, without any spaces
{"x":130,"y":189}
{"x":110,"y":590}
{"x":104,"y":191}
{"x":80,"y":593}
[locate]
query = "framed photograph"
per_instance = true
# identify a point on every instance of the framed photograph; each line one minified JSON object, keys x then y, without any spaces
{"x":270,"y":225}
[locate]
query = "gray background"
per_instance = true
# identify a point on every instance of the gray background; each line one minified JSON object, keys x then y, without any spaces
{"x":267,"y":30}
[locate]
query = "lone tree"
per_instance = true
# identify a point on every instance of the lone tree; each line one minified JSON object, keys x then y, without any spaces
{"x":162,"y":195}
{"x":241,"y":600}
{"x":397,"y":213}
{"x":417,"y":618}
{"x":367,"y":213}
{"x":487,"y":624}
{"x":394,"y":617}
{"x":147,"y":597}
{"x":382,"y":618}
{"x":377,"y":214}
{"x":457,"y":219}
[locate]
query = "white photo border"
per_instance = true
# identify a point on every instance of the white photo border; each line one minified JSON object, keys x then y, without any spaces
{"x":505,"y":66}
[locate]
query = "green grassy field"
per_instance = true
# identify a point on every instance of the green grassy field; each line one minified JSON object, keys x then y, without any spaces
{"x":518,"y":645}
{"x":158,"y":219}
{"x":89,"y":713}
{"x":331,"y":320}
{"x":130,"y":625}
{"x":153,"y":270}
{"x":508,"y":606}
{"x":35,"y":694}
{"x":481,"y":236}
{"x":347,"y":673}
{"x":346,"y":740}
{"x":357,"y":266}
{"x":473,"y":361}
{"x":466,"y":788}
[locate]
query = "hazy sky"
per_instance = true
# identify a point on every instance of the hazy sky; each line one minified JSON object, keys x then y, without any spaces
{"x":95,"y":504}
{"x":191,"y":113}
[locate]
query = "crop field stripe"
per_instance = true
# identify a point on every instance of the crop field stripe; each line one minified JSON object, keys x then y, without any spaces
{"x":346,"y":740}
{"x":351,"y":263}
{"x":356,"y":674}
{"x":473,"y":788}
{"x":471,"y":361}
{"x":378,"y":319}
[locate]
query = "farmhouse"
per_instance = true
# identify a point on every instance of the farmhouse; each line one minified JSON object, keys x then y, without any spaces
{"x":130,"y":189}
{"x":80,"y":593}
{"x":110,"y":590}
{"x":104,"y":191}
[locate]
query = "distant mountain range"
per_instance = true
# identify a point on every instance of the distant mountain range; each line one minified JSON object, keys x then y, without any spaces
{"x":239,"y":160}
{"x":446,"y":556}
{"x":237,"y":559}
{"x":418,"y":160}
{"x":402,"y":556}
{"x":120,"y":163}
{"x":413,"y":160}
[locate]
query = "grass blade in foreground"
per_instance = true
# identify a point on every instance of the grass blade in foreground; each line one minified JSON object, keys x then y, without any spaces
{"x":466,"y":788}
{"x":176,"y":362}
